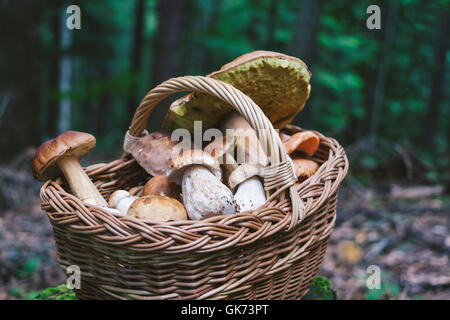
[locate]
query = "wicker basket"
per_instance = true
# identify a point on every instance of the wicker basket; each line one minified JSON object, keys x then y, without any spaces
{"x":271,"y":253}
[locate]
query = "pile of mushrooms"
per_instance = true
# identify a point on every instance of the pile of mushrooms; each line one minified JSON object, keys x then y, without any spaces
{"x":300,"y":147}
{"x":225,"y":177}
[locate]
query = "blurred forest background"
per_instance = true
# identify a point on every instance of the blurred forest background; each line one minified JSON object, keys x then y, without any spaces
{"x":383,"y":94}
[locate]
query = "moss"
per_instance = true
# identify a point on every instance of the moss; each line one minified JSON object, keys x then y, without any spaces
{"x":320,"y":290}
{"x":61,"y":292}
{"x":279,"y":86}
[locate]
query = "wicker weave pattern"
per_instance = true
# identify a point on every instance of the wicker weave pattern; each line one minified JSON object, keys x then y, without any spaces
{"x":253,"y":255}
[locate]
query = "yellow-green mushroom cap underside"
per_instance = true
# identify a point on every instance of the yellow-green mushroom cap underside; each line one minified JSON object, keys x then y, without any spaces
{"x":277,"y":83}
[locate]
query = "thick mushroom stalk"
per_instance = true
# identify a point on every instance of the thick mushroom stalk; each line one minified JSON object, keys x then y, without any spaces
{"x":248,"y":147}
{"x":203,"y":193}
{"x":250,"y":193}
{"x":62,"y":154}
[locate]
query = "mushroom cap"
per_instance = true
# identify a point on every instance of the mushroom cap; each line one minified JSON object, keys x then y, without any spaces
{"x":277,"y":83}
{"x":304,"y":168}
{"x":116,"y":196}
{"x":192,"y":157}
{"x":284,"y":137}
{"x":306,"y":141}
{"x":242,"y":173}
{"x":70,"y":143}
{"x":153,"y":152}
{"x":157,"y":208}
{"x":221,"y":146}
{"x":161,"y":186}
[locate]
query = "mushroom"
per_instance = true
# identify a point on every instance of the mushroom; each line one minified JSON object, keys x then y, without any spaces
{"x":277,"y":83}
{"x":125,"y":203}
{"x":284,"y":137}
{"x":110,"y":210}
{"x":116,"y":196}
{"x":157,"y":208}
{"x":121,"y":200}
{"x":306,"y":141}
{"x":248,"y":147}
{"x":304,"y":168}
{"x":161,"y":186}
{"x":62,"y":154}
{"x":250,"y":193}
{"x":203,"y":193}
{"x":222,"y":149}
{"x":153,"y":152}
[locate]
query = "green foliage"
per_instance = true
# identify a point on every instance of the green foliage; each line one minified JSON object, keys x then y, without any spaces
{"x":60,"y":292}
{"x":320,"y":290}
{"x":345,"y":66}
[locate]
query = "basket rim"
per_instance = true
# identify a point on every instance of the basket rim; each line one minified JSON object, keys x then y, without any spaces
{"x":206,"y":235}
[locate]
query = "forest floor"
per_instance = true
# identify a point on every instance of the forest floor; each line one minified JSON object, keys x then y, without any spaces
{"x":407,"y":239}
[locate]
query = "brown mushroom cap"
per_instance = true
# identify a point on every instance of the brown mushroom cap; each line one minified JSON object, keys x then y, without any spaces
{"x":192,"y":157}
{"x":277,"y":83}
{"x":161,"y":186}
{"x":304,"y":168}
{"x":70,"y":143}
{"x":153,"y":152}
{"x":157,"y":208}
{"x":243,"y":172}
{"x":306,"y":141}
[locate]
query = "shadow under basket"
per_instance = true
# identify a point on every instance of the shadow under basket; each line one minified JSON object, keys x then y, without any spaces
{"x":269,"y":253}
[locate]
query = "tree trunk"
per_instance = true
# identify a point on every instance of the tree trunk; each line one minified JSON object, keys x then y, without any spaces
{"x":167,"y":51}
{"x":136,"y":54}
{"x":437,"y":80}
{"x":380,"y":86}
{"x":54,"y":70}
{"x":305,"y":47}
{"x":20,"y":83}
{"x":65,"y":75}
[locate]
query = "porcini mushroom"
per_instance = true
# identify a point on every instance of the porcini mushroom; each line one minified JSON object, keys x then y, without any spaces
{"x":161,"y":186}
{"x":203,"y":193}
{"x":306,"y":141}
{"x":157,"y":208}
{"x":116,"y":196}
{"x":121,"y":200}
{"x":62,"y":154}
{"x":250,"y":193}
{"x":153,"y":152}
{"x":277,"y":83}
{"x":222,"y":149}
{"x":248,"y":147}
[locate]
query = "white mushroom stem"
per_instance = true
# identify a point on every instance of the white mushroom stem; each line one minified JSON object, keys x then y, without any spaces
{"x":124,"y":204}
{"x":204,"y":194}
{"x":79,"y":182}
{"x":250,"y":195}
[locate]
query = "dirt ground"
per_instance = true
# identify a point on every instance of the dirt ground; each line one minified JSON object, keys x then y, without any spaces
{"x":408,"y":241}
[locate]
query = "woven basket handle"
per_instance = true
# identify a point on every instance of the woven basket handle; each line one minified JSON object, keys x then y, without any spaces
{"x":278,"y":177}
